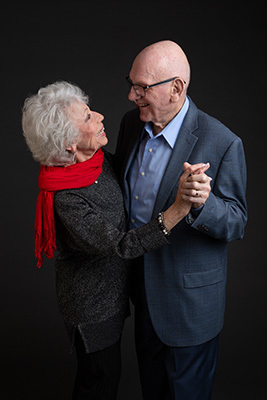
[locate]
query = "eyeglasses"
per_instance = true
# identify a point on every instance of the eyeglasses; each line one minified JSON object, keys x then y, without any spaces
{"x":140,"y":90}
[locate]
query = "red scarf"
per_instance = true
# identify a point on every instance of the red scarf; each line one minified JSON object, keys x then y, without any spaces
{"x":50,"y":180}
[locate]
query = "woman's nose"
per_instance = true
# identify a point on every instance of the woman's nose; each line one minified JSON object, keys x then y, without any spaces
{"x":99,"y":116}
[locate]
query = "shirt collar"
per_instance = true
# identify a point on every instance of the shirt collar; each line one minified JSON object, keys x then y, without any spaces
{"x":171,"y":131}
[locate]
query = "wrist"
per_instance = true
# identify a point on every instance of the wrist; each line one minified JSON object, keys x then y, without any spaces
{"x":172,"y":216}
{"x":162,"y":224}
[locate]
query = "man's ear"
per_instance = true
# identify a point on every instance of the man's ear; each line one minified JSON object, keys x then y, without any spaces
{"x":177,"y":89}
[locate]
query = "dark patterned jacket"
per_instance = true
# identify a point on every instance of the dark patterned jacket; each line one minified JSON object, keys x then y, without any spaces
{"x":92,"y":268}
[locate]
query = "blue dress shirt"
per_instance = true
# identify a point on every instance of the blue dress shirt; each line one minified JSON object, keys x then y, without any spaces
{"x":149,"y":166}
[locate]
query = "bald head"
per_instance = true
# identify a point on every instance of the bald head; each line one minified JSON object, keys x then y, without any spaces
{"x":163,"y":60}
{"x":163,"y":70}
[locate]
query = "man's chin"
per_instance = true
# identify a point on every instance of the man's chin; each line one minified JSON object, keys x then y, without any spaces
{"x":144,"y":115}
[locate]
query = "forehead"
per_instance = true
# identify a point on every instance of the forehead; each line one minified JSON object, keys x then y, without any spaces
{"x":78,"y":107}
{"x":143,"y":72}
{"x":78,"y":110}
{"x":150,"y":66}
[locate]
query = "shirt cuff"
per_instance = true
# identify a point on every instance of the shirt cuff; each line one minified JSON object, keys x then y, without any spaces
{"x":193,"y":214}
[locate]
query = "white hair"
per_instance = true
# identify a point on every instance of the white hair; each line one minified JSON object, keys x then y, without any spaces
{"x":47,"y":126}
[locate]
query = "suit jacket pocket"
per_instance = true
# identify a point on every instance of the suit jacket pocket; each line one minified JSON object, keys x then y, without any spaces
{"x":205,"y":278}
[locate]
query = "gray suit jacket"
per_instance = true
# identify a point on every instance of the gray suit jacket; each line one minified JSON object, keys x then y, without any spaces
{"x":185,"y":281}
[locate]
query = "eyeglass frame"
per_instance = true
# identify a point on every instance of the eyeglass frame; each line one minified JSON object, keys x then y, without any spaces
{"x":153,"y":84}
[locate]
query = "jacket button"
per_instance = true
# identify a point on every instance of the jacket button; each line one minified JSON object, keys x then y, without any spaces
{"x":203,"y":227}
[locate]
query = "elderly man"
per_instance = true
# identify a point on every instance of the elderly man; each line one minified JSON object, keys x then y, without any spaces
{"x":179,"y":291}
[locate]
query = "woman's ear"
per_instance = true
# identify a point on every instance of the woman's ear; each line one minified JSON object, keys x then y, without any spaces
{"x":72,"y":149}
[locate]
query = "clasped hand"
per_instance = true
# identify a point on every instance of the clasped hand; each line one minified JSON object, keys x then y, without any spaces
{"x":194,"y":186}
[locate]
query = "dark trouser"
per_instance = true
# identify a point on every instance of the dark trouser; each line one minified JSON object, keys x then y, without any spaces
{"x":98,"y":373}
{"x":171,"y":373}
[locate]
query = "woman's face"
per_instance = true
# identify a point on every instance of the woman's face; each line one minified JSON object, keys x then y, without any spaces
{"x":91,"y":129}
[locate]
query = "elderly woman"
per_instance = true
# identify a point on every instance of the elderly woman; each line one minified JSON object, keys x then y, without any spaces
{"x":80,"y":211}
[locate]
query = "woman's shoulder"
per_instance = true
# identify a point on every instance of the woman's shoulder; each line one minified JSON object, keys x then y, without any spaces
{"x":106,"y":182}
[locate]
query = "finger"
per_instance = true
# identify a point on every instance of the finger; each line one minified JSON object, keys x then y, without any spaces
{"x":204,"y":169}
{"x":192,"y":199}
{"x":192,"y":192}
{"x":196,"y":168}
{"x":201,"y":178}
{"x":186,"y":165}
{"x":198,"y":202}
{"x":191,"y":169}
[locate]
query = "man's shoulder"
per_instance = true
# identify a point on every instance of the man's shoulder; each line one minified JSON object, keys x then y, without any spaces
{"x":209,"y":124}
{"x":132,"y":123}
{"x":132,"y":115}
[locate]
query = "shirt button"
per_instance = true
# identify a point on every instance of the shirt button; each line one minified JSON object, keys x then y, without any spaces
{"x":150,"y":150}
{"x":136,"y":197}
{"x":133,"y":220}
{"x":142,"y":173}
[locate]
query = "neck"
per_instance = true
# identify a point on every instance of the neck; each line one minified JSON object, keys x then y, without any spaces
{"x":159,"y":127}
{"x":82,"y":156}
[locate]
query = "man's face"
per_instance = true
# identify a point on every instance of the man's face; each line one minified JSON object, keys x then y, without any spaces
{"x":156,"y":106}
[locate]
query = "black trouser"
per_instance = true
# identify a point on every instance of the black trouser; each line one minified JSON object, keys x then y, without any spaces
{"x":98,"y":373}
{"x":170,"y":373}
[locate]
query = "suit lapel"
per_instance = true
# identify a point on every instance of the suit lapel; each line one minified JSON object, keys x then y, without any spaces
{"x":134,"y":140}
{"x":181,"y":152}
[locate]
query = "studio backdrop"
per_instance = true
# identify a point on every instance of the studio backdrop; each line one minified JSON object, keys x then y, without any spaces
{"x":93,"y":44}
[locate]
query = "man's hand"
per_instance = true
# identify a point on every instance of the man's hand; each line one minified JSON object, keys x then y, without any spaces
{"x":192,"y":177}
{"x":196,"y":188}
{"x":191,"y":181}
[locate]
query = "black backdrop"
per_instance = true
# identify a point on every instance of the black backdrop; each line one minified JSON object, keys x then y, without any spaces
{"x":93,"y":44}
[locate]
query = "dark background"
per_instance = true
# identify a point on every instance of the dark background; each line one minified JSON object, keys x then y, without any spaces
{"x":93,"y":44}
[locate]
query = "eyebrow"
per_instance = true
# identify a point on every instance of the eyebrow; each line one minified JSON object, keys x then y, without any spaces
{"x":139,"y":83}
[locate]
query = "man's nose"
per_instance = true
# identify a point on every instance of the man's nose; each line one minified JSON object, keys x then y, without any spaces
{"x":132,"y":96}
